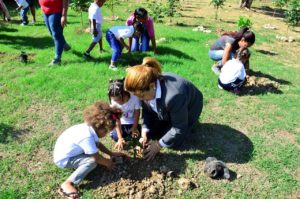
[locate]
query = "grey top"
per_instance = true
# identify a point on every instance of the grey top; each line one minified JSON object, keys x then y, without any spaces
{"x":181,"y":104}
{"x":221,"y":42}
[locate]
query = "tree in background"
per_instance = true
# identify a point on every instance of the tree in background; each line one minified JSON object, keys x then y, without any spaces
{"x":279,"y":4}
{"x":246,"y":3}
{"x":217,"y":4}
{"x":111,"y":5}
{"x":80,"y":6}
{"x":292,"y":15}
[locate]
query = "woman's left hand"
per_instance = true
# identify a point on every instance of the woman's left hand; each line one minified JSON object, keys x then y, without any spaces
{"x":151,"y":151}
{"x":63,"y":21}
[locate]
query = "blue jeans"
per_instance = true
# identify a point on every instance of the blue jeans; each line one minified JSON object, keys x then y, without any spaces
{"x":143,"y":45}
{"x":23,"y":14}
{"x":53,"y":24}
{"x":83,"y":164}
{"x":217,"y":55}
{"x":115,"y":45}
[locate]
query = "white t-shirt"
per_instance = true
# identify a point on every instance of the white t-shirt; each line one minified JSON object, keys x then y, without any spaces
{"x":128,"y":109}
{"x":76,"y":140}
{"x":232,"y":70}
{"x":95,"y":13}
{"x":122,"y":31}
{"x":22,"y":3}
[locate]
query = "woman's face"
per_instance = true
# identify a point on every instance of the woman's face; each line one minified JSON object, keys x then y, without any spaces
{"x":244,"y":44}
{"x":142,"y":20}
{"x":146,"y":95}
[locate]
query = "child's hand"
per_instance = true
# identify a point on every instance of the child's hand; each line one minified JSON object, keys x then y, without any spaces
{"x":109,"y":164}
{"x":119,"y":144}
{"x":134,"y":132}
{"x":95,"y":33}
{"x":18,"y":8}
{"x":143,"y":140}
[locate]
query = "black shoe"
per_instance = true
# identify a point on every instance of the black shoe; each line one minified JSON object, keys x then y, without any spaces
{"x":87,"y":55}
{"x":67,"y":47}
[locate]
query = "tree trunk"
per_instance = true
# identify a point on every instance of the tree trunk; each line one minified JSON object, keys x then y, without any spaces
{"x":246,"y":3}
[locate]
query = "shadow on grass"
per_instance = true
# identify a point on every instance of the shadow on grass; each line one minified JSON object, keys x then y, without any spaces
{"x":279,"y":13}
{"x":265,"y":52}
{"x":163,"y":50}
{"x":220,"y":141}
{"x":9,"y":133}
{"x":20,"y":42}
{"x":270,"y":77}
{"x":7,"y":27}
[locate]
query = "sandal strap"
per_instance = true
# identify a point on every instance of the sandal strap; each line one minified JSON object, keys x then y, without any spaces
{"x":73,"y":195}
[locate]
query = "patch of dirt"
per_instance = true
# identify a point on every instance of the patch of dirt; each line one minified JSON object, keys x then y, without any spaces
{"x":260,"y":85}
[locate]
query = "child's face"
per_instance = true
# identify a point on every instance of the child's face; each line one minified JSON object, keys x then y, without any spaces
{"x":120,"y":100}
{"x":99,"y":2}
{"x":142,"y":20}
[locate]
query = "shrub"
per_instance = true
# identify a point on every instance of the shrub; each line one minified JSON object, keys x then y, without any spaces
{"x":244,"y":22}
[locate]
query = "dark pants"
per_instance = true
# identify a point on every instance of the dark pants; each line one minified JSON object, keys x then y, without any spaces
{"x":125,"y":131}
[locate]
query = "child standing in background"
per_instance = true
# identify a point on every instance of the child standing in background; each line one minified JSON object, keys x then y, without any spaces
{"x":115,"y":37}
{"x":95,"y":21}
{"x":130,"y":105}
{"x":23,"y":8}
{"x":78,"y":146}
{"x":233,"y":73}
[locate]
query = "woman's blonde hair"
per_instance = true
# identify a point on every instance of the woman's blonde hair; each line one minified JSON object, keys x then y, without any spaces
{"x":101,"y":116}
{"x":139,"y":77}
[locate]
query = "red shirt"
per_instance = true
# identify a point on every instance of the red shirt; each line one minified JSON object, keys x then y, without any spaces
{"x":51,"y":6}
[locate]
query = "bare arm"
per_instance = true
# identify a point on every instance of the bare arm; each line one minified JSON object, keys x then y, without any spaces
{"x":136,"y":118}
{"x":123,"y":43}
{"x":95,"y":32}
{"x":129,"y":44}
{"x":63,"y":20}
{"x":226,"y":54}
{"x":103,"y":161}
{"x":153,"y":41}
{"x":102,"y":148}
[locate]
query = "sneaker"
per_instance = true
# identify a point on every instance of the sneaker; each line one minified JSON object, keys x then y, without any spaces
{"x":55,"y":62}
{"x":87,"y":55}
{"x":220,"y":87}
{"x":67,"y":47}
{"x":113,"y":67}
{"x":216,"y":69}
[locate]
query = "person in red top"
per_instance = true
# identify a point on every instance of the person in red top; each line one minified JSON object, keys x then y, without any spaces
{"x":55,"y":17}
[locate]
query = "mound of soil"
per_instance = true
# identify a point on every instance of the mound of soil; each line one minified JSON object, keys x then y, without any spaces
{"x":138,"y":178}
{"x":259,"y":85}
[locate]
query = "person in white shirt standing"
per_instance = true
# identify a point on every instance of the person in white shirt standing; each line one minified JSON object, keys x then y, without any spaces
{"x":78,"y":146}
{"x":23,"y":7}
{"x":130,"y":106}
{"x":115,"y":37}
{"x":95,"y":21}
{"x":233,"y":73}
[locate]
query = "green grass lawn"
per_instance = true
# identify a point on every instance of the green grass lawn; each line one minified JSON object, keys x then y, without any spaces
{"x":258,"y":135}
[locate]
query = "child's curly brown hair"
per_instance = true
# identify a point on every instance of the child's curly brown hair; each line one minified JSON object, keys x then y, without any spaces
{"x":101,"y":116}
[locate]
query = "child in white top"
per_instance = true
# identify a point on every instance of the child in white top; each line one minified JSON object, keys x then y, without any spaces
{"x":233,"y":73}
{"x":95,"y":21}
{"x":130,"y":105}
{"x":115,"y":37}
{"x":78,"y":146}
{"x":23,"y":7}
